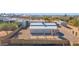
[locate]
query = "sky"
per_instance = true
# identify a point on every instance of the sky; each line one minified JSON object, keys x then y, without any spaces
{"x":39,"y":6}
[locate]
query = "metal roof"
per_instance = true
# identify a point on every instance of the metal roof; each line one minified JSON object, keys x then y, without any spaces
{"x":50,"y":24}
{"x":43,"y":25}
{"x":36,"y":24}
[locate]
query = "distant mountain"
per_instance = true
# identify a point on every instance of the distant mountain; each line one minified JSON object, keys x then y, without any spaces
{"x":42,"y":14}
{"x":51,"y":13}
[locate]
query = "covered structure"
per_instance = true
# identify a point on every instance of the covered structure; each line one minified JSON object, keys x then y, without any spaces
{"x":43,"y":28}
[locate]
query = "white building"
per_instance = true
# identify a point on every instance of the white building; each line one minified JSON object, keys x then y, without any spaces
{"x":43,"y":28}
{"x":61,"y":23}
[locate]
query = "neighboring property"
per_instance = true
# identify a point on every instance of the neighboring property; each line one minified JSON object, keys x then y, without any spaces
{"x":63,"y":23}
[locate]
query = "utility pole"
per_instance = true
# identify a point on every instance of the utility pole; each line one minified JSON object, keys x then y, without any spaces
{"x":30,"y":18}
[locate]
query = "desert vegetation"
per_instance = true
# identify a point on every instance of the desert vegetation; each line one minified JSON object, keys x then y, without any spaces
{"x":71,"y":20}
{"x":7,"y":27}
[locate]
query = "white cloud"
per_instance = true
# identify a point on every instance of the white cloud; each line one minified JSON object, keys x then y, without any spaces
{"x":38,"y":6}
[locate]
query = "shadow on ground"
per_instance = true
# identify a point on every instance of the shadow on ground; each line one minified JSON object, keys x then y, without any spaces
{"x":63,"y":38}
{"x":67,"y":27}
{"x":47,"y":34}
{"x":60,"y":34}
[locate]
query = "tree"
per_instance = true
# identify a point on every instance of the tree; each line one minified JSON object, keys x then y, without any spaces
{"x":47,"y":19}
{"x":74,"y":22}
{"x":65,"y":15}
{"x":8,"y":27}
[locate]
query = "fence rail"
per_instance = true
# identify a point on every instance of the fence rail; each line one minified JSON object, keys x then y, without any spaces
{"x":34,"y":41}
{"x":10,"y":41}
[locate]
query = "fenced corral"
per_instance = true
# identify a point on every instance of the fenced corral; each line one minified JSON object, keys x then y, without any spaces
{"x":7,"y":41}
{"x":12,"y":34}
{"x":0,"y":42}
{"x":16,"y":42}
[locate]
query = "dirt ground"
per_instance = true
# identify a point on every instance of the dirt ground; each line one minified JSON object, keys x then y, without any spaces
{"x":4,"y":33}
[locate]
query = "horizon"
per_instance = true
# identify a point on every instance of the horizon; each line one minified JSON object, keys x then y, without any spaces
{"x":44,"y":13}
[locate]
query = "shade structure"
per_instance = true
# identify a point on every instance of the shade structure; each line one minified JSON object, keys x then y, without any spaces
{"x":43,"y":28}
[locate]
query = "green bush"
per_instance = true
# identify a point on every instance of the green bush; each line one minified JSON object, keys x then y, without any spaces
{"x":8,"y":26}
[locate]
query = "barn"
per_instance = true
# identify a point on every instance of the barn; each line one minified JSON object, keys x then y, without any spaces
{"x":43,"y":28}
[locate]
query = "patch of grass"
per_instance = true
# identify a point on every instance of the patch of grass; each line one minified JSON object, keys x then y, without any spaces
{"x":7,"y":25}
